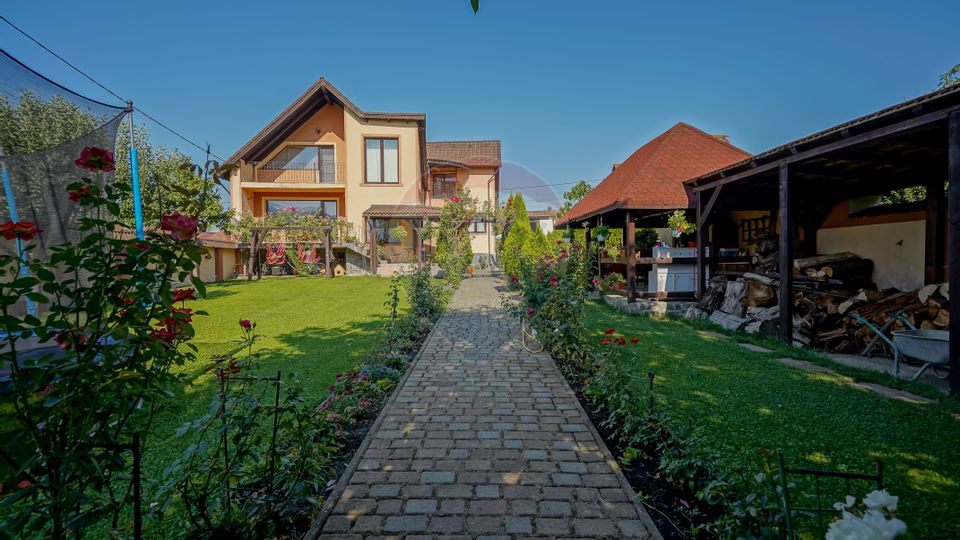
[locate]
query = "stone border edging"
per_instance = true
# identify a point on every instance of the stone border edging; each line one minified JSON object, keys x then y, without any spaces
{"x":611,"y":460}
{"x":317,"y":526}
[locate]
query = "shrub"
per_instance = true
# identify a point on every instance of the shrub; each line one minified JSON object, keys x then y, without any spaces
{"x":517,"y":233}
{"x":454,"y":251}
{"x":108,"y":301}
{"x":645,"y":240}
{"x":552,"y":300}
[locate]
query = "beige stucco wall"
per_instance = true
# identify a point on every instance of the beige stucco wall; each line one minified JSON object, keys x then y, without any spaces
{"x":206,"y":271}
{"x":895,"y":248}
{"x":361,"y":196}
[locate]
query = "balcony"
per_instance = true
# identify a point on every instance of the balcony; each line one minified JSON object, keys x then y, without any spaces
{"x":327,"y":173}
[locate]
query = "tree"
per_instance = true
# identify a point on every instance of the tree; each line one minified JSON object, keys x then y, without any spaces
{"x":33,"y":124}
{"x":572,"y":197}
{"x":167,"y":184}
{"x":516,"y":236}
{"x":951,"y":77}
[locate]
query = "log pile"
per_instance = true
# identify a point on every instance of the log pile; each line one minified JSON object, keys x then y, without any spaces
{"x":827,"y":289}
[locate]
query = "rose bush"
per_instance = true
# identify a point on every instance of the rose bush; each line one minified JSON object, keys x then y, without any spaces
{"x":107,"y":303}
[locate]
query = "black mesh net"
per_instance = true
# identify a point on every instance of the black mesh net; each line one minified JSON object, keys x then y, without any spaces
{"x":43,"y":128}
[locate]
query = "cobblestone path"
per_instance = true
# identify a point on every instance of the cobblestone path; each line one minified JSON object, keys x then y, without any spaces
{"x":483,"y":440}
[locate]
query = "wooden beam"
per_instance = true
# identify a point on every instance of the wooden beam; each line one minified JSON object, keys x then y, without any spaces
{"x":630,"y":231}
{"x":953,"y":175}
{"x":933,"y":252}
{"x":786,"y":256}
{"x":704,"y":215}
{"x":701,"y":237}
{"x":327,"y":254}
{"x":251,"y":254}
{"x":417,"y":251}
{"x":372,"y":239}
{"x":872,"y":135}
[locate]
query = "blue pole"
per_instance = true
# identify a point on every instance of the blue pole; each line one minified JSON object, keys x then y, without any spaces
{"x":135,"y":180}
{"x":12,"y":208}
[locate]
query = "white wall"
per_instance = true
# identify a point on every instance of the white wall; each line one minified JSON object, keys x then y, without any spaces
{"x":895,"y":248}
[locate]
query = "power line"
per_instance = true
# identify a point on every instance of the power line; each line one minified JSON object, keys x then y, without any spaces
{"x":109,"y":91}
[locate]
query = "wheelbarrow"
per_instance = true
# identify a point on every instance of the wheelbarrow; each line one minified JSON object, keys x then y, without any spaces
{"x":931,"y":347}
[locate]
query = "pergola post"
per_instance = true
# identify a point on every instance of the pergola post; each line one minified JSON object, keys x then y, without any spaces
{"x":701,"y":248}
{"x":417,"y":249}
{"x":630,"y":231}
{"x":933,"y":252}
{"x":953,"y":177}
{"x":327,"y":253}
{"x":372,"y":238}
{"x":786,"y":256}
{"x":251,"y":254}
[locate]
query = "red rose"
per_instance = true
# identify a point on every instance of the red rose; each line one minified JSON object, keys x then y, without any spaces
{"x":605,"y":341}
{"x":245,"y":324}
{"x":609,"y":331}
{"x":530,"y":312}
{"x":78,"y":194}
{"x":635,"y":341}
{"x":95,"y":159}
{"x":163,"y":335}
{"x":620,"y":340}
{"x":21,"y":230}
{"x":181,"y":295}
{"x":455,"y":199}
{"x":179,"y":226}
{"x":24,"y":484}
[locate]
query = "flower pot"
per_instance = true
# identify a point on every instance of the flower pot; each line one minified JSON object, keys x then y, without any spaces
{"x":692,"y":243}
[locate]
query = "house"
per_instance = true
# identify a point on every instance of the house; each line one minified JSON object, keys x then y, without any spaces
{"x":221,"y":257}
{"x":542,"y":219}
{"x":374,"y":171}
{"x":647,"y":187}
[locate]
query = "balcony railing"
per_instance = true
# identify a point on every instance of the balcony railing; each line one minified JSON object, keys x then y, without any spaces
{"x":295,"y":173}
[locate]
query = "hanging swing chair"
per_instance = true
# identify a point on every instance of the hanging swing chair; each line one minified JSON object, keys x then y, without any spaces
{"x":275,"y":255}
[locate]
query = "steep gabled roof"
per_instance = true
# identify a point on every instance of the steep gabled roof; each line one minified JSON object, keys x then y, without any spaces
{"x":319,"y":94}
{"x":468,"y":153}
{"x":652,"y":178}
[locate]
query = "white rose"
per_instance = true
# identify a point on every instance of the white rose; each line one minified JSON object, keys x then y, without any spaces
{"x":877,"y":500}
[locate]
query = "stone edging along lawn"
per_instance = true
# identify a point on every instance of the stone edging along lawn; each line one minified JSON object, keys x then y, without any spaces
{"x":347,"y":473}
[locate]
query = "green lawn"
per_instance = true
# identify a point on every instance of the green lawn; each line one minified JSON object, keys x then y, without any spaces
{"x":743,"y":400}
{"x":315,"y":327}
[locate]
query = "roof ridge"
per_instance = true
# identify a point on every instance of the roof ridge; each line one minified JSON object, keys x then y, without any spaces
{"x":714,"y":137}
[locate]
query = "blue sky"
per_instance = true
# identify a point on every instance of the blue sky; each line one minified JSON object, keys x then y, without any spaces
{"x":569,"y":87}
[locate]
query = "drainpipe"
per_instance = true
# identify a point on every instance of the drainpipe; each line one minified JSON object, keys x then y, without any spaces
{"x":489,"y":231}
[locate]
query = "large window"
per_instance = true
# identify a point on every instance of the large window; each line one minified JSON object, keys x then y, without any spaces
{"x":382,"y":158}
{"x":328,"y":208}
{"x":444,"y":185}
{"x":383,"y":228}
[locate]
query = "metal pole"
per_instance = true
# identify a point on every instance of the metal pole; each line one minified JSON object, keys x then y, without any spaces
{"x":12,"y":209}
{"x":137,"y":494}
{"x":135,"y":179}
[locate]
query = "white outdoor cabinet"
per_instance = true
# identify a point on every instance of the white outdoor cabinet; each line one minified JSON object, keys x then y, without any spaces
{"x":673,"y":277}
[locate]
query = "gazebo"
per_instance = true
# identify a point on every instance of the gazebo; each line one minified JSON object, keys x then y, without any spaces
{"x":649,"y":185}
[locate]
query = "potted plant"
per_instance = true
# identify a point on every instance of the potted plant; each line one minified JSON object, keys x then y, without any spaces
{"x":613,"y":282}
{"x":679,"y":225}
{"x":469,"y":271}
{"x":398,"y":234}
{"x":600,"y":232}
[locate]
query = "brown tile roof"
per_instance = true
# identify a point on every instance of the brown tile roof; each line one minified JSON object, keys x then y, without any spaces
{"x":401,"y":211}
{"x":216,"y":239}
{"x":312,"y":100}
{"x":652,"y":177}
{"x":541,"y":214}
{"x":469,"y":153}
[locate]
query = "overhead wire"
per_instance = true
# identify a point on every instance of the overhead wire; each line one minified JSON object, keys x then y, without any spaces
{"x":104,"y":87}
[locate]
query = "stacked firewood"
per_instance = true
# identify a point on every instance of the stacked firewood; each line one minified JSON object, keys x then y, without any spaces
{"x":827,"y":290}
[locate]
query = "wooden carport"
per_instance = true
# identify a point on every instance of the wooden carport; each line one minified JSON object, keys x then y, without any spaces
{"x":916,"y":142}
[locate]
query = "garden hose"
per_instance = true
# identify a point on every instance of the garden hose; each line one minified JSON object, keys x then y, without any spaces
{"x":528,"y":333}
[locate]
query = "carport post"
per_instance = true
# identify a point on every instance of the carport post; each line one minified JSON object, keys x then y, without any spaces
{"x":630,"y":231}
{"x":786,"y":257}
{"x":701,"y":248}
{"x":953,"y":176}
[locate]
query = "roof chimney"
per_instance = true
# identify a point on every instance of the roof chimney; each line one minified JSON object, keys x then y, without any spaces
{"x":615,"y":165}
{"x":721,"y":137}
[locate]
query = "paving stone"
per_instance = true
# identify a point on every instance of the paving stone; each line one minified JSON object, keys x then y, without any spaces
{"x":483,"y":440}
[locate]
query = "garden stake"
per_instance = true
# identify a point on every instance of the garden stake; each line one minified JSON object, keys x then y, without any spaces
{"x":223,"y":421}
{"x":650,"y":375}
{"x":273,"y":440}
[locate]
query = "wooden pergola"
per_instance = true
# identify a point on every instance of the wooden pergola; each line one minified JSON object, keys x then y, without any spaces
{"x":256,"y":240}
{"x":916,"y":142}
